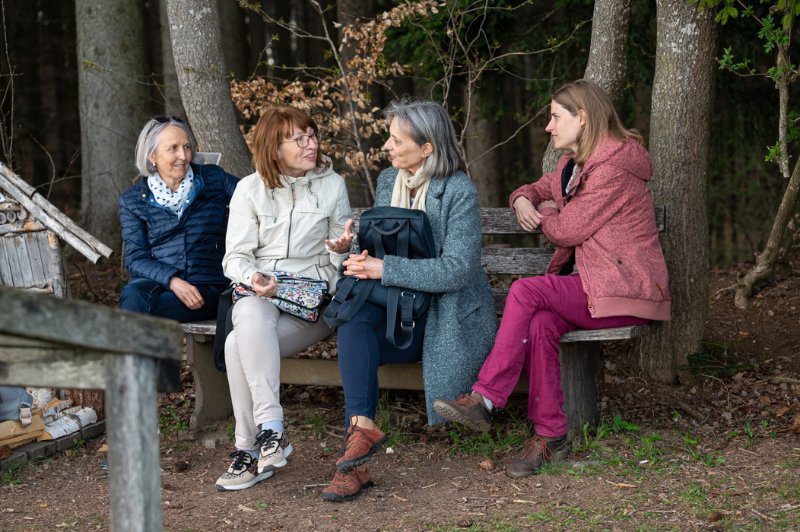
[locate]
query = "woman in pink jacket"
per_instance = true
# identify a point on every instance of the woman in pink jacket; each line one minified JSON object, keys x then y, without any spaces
{"x":608,"y":269}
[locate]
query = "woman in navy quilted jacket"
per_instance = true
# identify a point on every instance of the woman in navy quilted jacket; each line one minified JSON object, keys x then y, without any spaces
{"x":173,"y":226}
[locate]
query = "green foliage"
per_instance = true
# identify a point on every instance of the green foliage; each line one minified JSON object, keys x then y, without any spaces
{"x":716,"y":360}
{"x":170,"y":423}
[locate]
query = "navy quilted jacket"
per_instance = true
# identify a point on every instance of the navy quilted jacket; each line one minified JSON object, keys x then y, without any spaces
{"x":159,"y":245}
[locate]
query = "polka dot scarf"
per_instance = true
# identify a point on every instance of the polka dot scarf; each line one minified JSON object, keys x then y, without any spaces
{"x":174,"y":201}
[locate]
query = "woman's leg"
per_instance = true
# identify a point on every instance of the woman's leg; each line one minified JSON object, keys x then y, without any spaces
{"x":564,"y":308}
{"x":362,"y":348}
{"x":139,"y":294}
{"x":167,"y":305}
{"x":501,"y":370}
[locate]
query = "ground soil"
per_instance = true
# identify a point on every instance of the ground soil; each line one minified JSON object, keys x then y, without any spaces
{"x":719,"y":451}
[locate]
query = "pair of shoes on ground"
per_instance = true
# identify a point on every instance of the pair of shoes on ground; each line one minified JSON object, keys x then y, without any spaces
{"x":245,"y":470}
{"x":470,"y":410}
{"x":350,"y":479}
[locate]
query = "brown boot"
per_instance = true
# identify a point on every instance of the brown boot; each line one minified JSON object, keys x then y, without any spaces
{"x":467,"y":409}
{"x":359,"y":447}
{"x":538,"y":450}
{"x":347,"y":486}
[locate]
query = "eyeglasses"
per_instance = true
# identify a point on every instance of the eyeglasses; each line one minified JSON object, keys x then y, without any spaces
{"x":303,"y":140}
{"x":162,"y":119}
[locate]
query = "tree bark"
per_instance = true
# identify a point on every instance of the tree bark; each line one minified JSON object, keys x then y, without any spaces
{"x":203,"y":81}
{"x":679,"y":138}
{"x":113,"y":106}
{"x":607,"y":65}
{"x":173,"y":106}
{"x":234,"y":42}
{"x":482,"y":164}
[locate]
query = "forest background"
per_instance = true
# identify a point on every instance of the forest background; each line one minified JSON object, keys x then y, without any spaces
{"x":698,"y":82}
{"x":41,"y":122}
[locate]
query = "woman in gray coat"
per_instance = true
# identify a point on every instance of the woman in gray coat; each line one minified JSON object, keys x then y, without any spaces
{"x":455,"y":336}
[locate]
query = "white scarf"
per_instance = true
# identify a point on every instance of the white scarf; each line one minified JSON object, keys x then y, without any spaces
{"x":174,"y":201}
{"x":404,"y":184}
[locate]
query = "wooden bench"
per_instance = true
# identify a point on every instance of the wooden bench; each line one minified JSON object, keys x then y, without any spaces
{"x":580,"y":349}
{"x":51,"y":342}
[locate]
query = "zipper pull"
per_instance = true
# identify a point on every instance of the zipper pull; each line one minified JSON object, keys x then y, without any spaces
{"x":293,"y":199}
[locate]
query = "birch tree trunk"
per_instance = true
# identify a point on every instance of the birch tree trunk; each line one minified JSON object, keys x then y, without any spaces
{"x":679,"y":137}
{"x":203,"y":81}
{"x":113,"y":103}
{"x":607,"y":65}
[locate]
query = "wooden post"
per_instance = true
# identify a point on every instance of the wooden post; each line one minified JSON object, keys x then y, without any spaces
{"x":579,"y":364}
{"x":212,"y":400}
{"x":132,"y":426}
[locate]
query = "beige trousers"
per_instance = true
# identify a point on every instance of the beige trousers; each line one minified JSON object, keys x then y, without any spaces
{"x":261,"y":336}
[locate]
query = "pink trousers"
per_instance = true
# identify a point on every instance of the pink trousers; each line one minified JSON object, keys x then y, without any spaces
{"x":538,"y":311}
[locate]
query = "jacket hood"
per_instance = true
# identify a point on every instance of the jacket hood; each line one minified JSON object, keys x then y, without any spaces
{"x":627,"y":155}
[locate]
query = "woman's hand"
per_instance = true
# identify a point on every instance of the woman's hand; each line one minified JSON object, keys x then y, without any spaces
{"x":264,"y":286}
{"x":187,"y":293}
{"x":363,"y":266}
{"x":527,"y":216}
{"x":342,"y":244}
{"x":547,"y":204}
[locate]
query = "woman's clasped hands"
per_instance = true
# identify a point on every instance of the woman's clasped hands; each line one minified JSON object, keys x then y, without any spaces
{"x":528,"y":216}
{"x":363,"y":266}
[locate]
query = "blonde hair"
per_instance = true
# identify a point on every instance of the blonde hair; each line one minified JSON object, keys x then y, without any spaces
{"x":601,"y":117}
{"x":276,"y":125}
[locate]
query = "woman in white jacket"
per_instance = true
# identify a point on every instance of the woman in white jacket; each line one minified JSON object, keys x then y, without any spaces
{"x":292,"y":214}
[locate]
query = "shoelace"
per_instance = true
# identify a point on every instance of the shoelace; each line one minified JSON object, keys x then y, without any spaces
{"x":537,"y":443}
{"x":266,"y":436}
{"x":239,"y":459}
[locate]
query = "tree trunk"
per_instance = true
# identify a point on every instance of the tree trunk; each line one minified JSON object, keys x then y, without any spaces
{"x":173,"y":106}
{"x":608,"y":52}
{"x":607,"y":65}
{"x":765,"y":261}
{"x":234,"y":38}
{"x":482,"y":164}
{"x":679,"y":137}
{"x":113,"y":106}
{"x":203,"y":81}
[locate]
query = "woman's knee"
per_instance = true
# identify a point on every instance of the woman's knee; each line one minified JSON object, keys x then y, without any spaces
{"x":254,"y":311}
{"x":138,"y":295}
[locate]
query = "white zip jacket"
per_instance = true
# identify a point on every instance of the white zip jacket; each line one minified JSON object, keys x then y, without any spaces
{"x":286,"y":228}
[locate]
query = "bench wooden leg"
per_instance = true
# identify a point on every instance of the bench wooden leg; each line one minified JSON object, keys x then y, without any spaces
{"x":579,"y":364}
{"x":212,"y":395}
{"x":133,"y":454}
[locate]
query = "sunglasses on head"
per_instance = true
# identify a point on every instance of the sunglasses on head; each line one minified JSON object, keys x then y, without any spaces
{"x":162,"y":119}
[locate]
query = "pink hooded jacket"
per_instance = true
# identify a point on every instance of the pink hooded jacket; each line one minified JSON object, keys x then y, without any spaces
{"x":610,"y":222}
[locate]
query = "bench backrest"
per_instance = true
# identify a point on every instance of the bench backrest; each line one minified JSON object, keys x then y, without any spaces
{"x":502,"y":259}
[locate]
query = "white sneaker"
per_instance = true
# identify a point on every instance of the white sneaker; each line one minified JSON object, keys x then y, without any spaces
{"x":274,"y":449}
{"x":241,"y":474}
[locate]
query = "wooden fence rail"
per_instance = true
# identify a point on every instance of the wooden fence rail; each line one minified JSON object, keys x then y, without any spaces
{"x":50,"y":342}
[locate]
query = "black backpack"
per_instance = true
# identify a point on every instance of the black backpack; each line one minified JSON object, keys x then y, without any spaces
{"x":387,"y":231}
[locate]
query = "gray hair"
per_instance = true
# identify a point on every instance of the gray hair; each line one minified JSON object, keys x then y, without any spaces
{"x":427,"y":121}
{"x":148,"y":141}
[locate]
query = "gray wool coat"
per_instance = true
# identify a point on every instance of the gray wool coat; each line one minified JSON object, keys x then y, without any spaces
{"x":461,"y":322}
